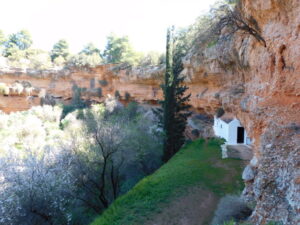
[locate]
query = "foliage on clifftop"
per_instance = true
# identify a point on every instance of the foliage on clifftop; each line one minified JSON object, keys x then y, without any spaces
{"x":17,"y":50}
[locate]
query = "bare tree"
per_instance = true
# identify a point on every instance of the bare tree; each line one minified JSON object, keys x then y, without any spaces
{"x":233,"y":19}
{"x":209,"y":28}
{"x":98,"y":169}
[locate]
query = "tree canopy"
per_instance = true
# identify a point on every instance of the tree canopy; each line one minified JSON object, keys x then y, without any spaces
{"x":119,"y":50}
{"x":16,"y":42}
{"x":21,"y":39}
{"x":60,"y":49}
{"x":90,"y":49}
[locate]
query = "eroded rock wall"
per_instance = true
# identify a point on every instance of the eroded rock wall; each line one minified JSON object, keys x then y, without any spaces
{"x":261,"y":87}
{"x":95,"y":85}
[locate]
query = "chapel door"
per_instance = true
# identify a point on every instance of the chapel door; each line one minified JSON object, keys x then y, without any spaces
{"x":240,"y":135}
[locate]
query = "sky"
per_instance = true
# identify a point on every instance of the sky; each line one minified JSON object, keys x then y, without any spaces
{"x":84,"y":21}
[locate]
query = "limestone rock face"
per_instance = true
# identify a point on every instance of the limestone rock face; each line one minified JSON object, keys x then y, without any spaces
{"x":261,"y":87}
{"x":94,"y":84}
{"x":248,"y":174}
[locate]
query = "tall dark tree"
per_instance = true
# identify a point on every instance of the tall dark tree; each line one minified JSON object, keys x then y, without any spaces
{"x":60,"y":49}
{"x":174,"y":112}
{"x":90,"y":49}
{"x":20,"y":39}
{"x":16,"y":43}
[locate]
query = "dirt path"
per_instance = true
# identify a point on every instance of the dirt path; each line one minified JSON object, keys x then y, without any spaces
{"x":239,"y":152}
{"x":194,"y":208}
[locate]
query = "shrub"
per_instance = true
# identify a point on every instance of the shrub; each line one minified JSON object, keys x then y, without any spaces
{"x":82,"y":60}
{"x":18,"y":88}
{"x":220,"y":112}
{"x":217,"y":95}
{"x":99,"y":91}
{"x":212,"y":43}
{"x":127,"y":96}
{"x":103,"y":83}
{"x":152,"y":59}
{"x":59,"y":61}
{"x":196,"y":132}
{"x":4,"y":89}
{"x":117,"y":94}
{"x":38,"y":59}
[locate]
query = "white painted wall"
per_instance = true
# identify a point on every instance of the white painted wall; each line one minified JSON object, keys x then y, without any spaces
{"x":232,"y":131}
{"x":228,"y":131}
{"x":221,"y":128}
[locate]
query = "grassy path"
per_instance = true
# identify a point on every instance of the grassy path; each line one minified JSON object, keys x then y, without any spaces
{"x":198,"y":164}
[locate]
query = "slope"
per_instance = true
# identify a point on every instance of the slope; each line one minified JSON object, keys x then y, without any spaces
{"x":195,"y":173}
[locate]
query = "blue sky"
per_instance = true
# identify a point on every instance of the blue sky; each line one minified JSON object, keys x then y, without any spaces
{"x":83,"y":21}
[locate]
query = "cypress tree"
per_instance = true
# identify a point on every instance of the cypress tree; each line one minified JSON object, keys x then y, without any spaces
{"x":173,"y":114}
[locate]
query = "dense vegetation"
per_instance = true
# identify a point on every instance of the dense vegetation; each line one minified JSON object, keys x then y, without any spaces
{"x":197,"y":164}
{"x":17,"y":51}
{"x":53,"y":172}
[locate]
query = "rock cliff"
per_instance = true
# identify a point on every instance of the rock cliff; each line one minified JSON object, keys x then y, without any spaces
{"x":259,"y":84}
{"x":20,"y":90}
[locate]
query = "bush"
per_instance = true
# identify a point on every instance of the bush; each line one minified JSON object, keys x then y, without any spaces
{"x":127,"y":96}
{"x":59,"y":61}
{"x":99,"y":91}
{"x":231,"y":207}
{"x":82,"y":60}
{"x":4,"y":89}
{"x":39,"y":60}
{"x":196,"y":132}
{"x":103,"y":83}
{"x":117,"y":94}
{"x":152,"y":59}
{"x":220,"y":112}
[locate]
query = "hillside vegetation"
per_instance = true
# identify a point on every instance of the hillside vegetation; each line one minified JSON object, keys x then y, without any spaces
{"x":56,"y":171}
{"x":196,"y":165}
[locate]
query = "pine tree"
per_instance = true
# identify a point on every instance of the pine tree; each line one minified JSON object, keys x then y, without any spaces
{"x":173,"y":114}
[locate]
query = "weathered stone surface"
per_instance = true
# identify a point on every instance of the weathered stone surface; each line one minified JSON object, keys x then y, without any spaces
{"x":261,"y":87}
{"x":248,"y":174}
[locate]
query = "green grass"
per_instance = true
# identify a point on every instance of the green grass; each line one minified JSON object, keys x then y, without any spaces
{"x":196,"y":164}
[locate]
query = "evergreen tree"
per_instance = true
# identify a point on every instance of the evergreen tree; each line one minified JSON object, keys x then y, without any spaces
{"x":21,"y":40}
{"x":90,"y":49}
{"x":173,"y":114}
{"x":60,"y":49}
{"x":16,"y":44}
{"x":120,"y":50}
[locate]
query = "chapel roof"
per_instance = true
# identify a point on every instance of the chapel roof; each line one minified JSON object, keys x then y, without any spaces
{"x":227,"y":117}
